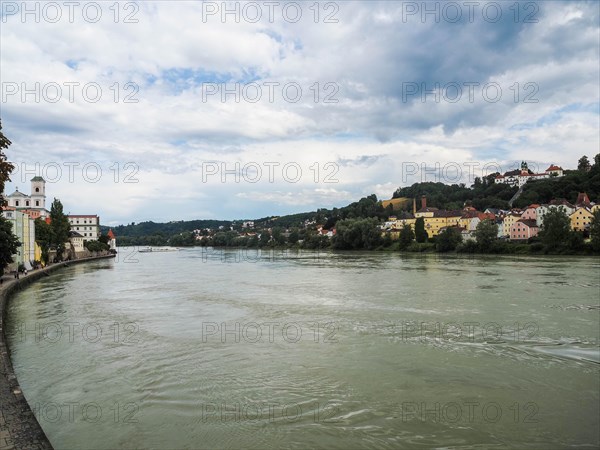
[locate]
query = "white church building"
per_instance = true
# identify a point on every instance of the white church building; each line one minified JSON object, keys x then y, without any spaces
{"x":34,"y":204}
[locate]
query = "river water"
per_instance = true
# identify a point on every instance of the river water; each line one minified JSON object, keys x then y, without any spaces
{"x":201,"y":348}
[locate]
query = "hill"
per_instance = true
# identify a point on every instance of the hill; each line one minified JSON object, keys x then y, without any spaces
{"x":484,"y":193}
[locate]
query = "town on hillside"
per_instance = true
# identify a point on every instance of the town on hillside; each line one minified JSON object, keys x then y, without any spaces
{"x":456,"y":212}
{"x":515,"y":224}
{"x":23,"y":211}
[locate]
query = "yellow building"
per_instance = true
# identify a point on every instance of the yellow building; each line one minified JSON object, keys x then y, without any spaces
{"x":581,"y":219}
{"x":426,"y":212}
{"x":595,"y":208}
{"x":410,"y":221}
{"x":441,"y":219}
{"x":510,"y":220}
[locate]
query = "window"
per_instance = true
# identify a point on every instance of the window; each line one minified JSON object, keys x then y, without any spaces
{"x":37,"y":189}
{"x":16,"y":202}
{"x":27,"y":203}
{"x":37,"y":203}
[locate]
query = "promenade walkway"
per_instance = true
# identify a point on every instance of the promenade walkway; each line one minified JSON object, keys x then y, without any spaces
{"x":19,"y":429}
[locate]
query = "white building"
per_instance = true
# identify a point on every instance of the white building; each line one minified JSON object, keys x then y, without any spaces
{"x":86,"y":225}
{"x":521,"y":176}
{"x":34,"y":204}
{"x":542,"y":210}
{"x":76,"y":240}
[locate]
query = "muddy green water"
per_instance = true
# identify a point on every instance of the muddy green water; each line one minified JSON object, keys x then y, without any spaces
{"x":205,"y":349}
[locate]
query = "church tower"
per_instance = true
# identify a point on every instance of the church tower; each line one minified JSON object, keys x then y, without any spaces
{"x":38,"y":193}
{"x":524,"y":168}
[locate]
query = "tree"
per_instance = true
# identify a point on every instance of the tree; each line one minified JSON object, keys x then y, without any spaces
{"x":355,"y":234}
{"x":595,"y":231}
{"x":265,"y":238}
{"x":8,"y":244}
{"x":406,"y":237}
{"x":485,"y":234}
{"x":43,"y":237}
{"x":185,"y":239}
{"x":6,"y":167}
{"x":556,"y":229}
{"x":8,"y":241}
{"x":60,"y":227}
{"x":583,"y":165}
{"x":420,"y":233}
{"x":448,"y":239}
{"x":96,"y":246}
{"x":278,"y":236}
{"x":294,"y":236}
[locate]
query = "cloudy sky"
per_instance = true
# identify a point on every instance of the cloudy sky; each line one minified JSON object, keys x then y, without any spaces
{"x":187,"y":110}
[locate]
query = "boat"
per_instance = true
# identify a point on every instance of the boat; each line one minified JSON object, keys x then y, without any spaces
{"x":156,"y":250}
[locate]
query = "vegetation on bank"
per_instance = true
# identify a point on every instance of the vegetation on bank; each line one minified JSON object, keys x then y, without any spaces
{"x":358,"y":224}
{"x":9,"y":244}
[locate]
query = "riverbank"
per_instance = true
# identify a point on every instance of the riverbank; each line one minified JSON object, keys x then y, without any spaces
{"x":19,"y":429}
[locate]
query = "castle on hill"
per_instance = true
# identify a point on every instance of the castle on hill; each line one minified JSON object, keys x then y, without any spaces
{"x":521,"y":176}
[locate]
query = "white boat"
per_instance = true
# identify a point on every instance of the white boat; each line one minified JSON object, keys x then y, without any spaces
{"x":158,"y":249}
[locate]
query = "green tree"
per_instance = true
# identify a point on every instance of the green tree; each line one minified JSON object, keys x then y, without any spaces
{"x":406,"y":237}
{"x":420,"y":233}
{"x":8,"y":241}
{"x":448,"y":239}
{"x":556,"y":229}
{"x":486,"y":234}
{"x":596,"y":165}
{"x":60,"y":227}
{"x":278,"y":236}
{"x":583,"y":165}
{"x":8,"y":244}
{"x":96,"y":246}
{"x":595,"y":231}
{"x":264,"y":239}
{"x":6,"y":167}
{"x":294,"y":236}
{"x":43,"y":236}
{"x":185,"y":239}
{"x":355,"y":234}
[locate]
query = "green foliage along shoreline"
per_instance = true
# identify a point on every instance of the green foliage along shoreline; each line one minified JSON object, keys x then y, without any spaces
{"x":357,"y":225}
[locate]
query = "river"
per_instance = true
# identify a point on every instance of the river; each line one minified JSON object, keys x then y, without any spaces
{"x":201,"y":348}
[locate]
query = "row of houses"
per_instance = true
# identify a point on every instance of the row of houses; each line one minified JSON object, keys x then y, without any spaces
{"x":23,"y":209}
{"x":514,"y":224}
